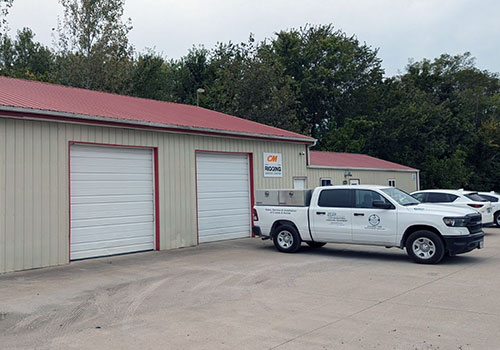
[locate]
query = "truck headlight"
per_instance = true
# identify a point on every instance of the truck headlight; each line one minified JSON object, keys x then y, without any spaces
{"x":456,"y":222}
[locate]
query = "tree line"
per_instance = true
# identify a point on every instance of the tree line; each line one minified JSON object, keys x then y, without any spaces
{"x":441,"y":116}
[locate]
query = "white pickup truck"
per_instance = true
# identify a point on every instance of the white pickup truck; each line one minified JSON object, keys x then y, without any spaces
{"x":368,"y":215}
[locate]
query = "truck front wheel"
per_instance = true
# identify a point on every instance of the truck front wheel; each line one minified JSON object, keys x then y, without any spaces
{"x":286,"y":239}
{"x":425,"y":247}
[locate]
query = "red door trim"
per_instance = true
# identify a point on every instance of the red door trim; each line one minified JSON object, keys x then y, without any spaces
{"x":155,"y":180}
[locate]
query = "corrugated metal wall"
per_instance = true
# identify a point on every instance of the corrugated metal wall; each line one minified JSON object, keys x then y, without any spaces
{"x":406,"y":181}
{"x":34,"y":208}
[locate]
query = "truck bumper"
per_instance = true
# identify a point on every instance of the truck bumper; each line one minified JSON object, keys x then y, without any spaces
{"x":463,"y":244}
{"x":257,"y":232}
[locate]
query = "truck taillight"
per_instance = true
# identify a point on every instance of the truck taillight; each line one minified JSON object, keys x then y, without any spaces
{"x":475,"y":205}
{"x":255,"y":216}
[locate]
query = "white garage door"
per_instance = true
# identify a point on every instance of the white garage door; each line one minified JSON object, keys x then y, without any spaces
{"x":223,"y":186}
{"x":112,"y":200}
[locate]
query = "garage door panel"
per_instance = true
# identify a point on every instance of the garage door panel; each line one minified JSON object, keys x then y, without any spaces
{"x":78,"y":169}
{"x":229,"y":221}
{"x":111,"y":221}
{"x":222,"y":213}
{"x":223,"y":193}
{"x":116,"y":177}
{"x":110,"y":251}
{"x":220,"y":169}
{"x":112,"y":200}
{"x":122,"y":236}
{"x":119,"y":163}
{"x":93,"y":184}
{"x":215,"y":195}
{"x":111,"y":210}
{"x":219,"y":204}
{"x":223,"y":177}
{"x":225,"y":233}
{"x":221,"y":186}
{"x":93,"y":233}
{"x":114,"y":154}
{"x":110,"y":191}
{"x":111,"y":243}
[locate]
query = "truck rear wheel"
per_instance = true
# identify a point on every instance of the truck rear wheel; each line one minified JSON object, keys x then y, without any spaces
{"x":286,"y":239}
{"x":425,"y":247}
{"x":315,"y":244}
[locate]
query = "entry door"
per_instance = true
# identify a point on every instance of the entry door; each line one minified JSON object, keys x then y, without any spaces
{"x":331,"y":218}
{"x":299,"y":183}
{"x":223,"y":193}
{"x":112,"y":200}
{"x":373,"y":225}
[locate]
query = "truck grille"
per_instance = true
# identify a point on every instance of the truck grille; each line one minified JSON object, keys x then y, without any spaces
{"x":474,"y":225}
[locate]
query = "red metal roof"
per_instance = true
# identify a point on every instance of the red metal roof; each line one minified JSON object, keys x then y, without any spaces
{"x":352,"y":160}
{"x":50,"y":99}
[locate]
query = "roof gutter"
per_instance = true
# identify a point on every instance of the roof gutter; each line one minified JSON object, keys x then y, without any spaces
{"x":40,"y":113}
{"x":360,"y":168}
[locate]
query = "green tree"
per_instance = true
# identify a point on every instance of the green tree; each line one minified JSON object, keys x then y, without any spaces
{"x":149,"y":77}
{"x":94,"y":51}
{"x":333,"y":76}
{"x":26,"y":58}
{"x":5,"y":6}
{"x":442,"y":117}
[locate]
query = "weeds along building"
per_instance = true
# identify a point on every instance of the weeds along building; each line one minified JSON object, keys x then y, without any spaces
{"x":86,"y":174}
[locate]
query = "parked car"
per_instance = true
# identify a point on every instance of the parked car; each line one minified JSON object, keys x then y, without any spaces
{"x":458,"y":198}
{"x":494,"y":199}
{"x":368,"y":215}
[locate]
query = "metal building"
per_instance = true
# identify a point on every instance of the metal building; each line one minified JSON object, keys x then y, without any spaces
{"x":86,"y":174}
{"x":332,"y":168}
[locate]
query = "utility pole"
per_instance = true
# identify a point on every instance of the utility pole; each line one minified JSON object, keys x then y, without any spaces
{"x":198,"y":92}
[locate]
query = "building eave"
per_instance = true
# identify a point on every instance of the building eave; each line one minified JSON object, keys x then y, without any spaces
{"x":53,"y":115}
{"x":360,"y":168}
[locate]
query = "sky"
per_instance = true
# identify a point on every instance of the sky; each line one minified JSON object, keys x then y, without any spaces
{"x":399,"y":29}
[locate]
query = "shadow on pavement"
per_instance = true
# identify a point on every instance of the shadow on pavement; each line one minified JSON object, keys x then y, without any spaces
{"x":378,"y":254}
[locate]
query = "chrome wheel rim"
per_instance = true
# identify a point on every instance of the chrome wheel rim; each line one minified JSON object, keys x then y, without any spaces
{"x":498,"y":220}
{"x":424,"y":248}
{"x":285,"y":239}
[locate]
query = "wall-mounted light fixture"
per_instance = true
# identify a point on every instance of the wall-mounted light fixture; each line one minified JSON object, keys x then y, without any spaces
{"x":347,"y":174}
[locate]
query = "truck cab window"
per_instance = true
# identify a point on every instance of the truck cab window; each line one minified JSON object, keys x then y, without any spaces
{"x":335,"y":198}
{"x":365,"y":198}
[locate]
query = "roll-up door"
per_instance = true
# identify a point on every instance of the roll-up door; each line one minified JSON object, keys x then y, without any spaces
{"x":223,"y":190}
{"x":112,"y":200}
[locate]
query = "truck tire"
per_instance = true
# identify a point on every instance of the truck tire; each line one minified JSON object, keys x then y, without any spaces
{"x":315,"y":244}
{"x":286,"y":239}
{"x":497,"y":218}
{"x":425,"y":247}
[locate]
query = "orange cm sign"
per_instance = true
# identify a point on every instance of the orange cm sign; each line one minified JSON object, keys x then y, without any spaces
{"x":272,"y":165}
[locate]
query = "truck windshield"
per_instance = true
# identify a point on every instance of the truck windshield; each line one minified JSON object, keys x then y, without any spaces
{"x":401,"y":197}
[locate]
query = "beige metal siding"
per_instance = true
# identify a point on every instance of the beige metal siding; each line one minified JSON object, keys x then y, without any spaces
{"x":406,"y":181}
{"x":34,"y":205}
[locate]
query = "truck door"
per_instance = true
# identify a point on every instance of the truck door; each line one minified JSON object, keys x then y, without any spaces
{"x":373,"y":225}
{"x":331,"y":216}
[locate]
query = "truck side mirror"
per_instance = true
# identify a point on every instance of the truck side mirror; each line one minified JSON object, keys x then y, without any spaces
{"x":382,"y":205}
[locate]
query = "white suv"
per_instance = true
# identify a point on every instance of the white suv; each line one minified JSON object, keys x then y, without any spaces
{"x":494,"y":199}
{"x":458,"y":198}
